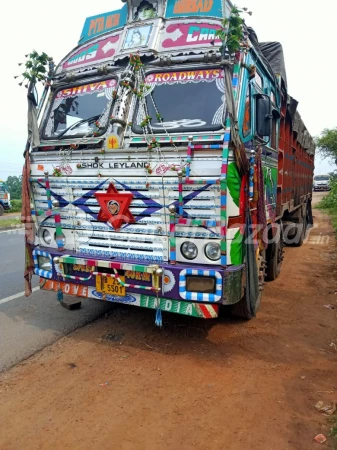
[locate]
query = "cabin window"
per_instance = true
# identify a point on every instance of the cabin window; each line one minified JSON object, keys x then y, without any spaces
{"x":182,"y":101}
{"x":246,"y":124}
{"x":76,"y":110}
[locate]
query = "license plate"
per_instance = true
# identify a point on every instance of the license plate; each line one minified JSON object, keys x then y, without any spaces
{"x":108,"y":285}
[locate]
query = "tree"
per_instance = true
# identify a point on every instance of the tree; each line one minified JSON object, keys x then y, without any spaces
{"x":327,"y":143}
{"x":14,"y":185}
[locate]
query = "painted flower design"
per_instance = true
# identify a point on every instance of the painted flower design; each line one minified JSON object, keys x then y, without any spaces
{"x":161,"y":169}
{"x":168,"y":281}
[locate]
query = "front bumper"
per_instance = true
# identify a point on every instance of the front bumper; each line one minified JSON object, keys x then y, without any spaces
{"x":77,"y":276}
{"x":322,"y":188}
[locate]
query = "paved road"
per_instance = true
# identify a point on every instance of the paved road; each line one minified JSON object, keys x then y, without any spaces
{"x":29,"y":324}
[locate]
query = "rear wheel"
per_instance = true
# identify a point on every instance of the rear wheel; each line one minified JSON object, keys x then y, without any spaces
{"x":2,"y":209}
{"x":244,"y":308}
{"x":302,"y":228}
{"x":275,"y":255}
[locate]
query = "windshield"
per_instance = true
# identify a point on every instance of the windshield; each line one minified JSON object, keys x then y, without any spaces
{"x":321,"y":178}
{"x":75,"y":110}
{"x":185,"y":100}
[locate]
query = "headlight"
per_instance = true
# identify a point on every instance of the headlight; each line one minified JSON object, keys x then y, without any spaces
{"x":47,"y":237}
{"x":189,"y":250}
{"x":212,"y":251}
{"x":44,"y":263}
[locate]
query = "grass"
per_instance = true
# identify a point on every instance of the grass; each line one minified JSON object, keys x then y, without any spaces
{"x":10,"y":223}
{"x":329,"y":204}
{"x":332,"y":212}
{"x":333,"y":432}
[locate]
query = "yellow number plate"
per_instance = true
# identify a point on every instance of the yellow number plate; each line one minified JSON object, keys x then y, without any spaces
{"x":108,"y":285}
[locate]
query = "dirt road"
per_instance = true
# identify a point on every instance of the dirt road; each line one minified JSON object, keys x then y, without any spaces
{"x":122,"y":383}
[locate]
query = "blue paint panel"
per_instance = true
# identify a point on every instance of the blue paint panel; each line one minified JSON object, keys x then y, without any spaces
{"x":103,"y":23}
{"x":193,"y":8}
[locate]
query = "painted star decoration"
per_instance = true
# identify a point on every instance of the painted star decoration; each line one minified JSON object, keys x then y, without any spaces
{"x":114,"y":207}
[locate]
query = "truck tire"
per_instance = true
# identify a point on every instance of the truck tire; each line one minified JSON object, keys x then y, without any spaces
{"x":274,"y":256}
{"x":303,"y":227}
{"x":242,"y":309}
{"x":2,"y":209}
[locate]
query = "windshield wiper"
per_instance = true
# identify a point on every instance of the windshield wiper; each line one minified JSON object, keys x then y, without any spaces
{"x":74,"y":125}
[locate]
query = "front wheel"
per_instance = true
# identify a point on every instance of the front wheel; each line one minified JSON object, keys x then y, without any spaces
{"x":2,"y":209}
{"x":246,"y":308}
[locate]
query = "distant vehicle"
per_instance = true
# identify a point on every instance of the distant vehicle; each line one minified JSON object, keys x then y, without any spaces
{"x":5,"y":203}
{"x":322,"y":183}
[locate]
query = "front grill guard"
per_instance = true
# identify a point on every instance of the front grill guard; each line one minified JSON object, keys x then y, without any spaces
{"x":155,"y":270}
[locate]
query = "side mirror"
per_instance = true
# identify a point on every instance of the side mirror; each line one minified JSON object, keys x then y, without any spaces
{"x":263,"y":115}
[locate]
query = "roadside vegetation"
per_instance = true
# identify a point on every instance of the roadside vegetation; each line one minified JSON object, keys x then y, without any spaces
{"x":327,"y":147}
{"x":10,"y":223}
{"x":329,"y":203}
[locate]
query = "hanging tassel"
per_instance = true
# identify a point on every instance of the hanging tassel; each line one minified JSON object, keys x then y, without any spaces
{"x":59,"y":295}
{"x":159,"y":320}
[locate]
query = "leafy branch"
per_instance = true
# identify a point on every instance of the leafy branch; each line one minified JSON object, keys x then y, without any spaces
{"x":231,"y":33}
{"x":35,"y":68}
{"x":327,"y":143}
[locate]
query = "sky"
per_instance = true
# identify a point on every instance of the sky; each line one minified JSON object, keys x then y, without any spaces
{"x":306,"y":32}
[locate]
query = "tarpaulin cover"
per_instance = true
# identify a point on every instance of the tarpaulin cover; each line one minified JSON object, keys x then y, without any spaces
{"x":271,"y":54}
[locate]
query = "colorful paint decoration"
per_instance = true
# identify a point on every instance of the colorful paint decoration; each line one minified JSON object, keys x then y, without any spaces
{"x":97,"y":52}
{"x":112,"y":142}
{"x":174,"y":306}
{"x":114,"y":207}
{"x":192,"y":8}
{"x":177,"y":35}
{"x":270,"y":185}
{"x":146,"y":10}
{"x":85,"y":89}
{"x":137,"y":37}
{"x":103,"y":23}
{"x":184,"y":76}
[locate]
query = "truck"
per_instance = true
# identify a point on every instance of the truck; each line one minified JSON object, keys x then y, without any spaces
{"x":5,"y":198}
{"x":172,"y":168}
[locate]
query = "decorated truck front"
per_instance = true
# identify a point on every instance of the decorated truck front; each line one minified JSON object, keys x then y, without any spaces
{"x":157,"y":156}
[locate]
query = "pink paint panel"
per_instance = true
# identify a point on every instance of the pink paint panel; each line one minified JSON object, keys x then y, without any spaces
{"x":182,"y":35}
{"x":97,"y":51}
